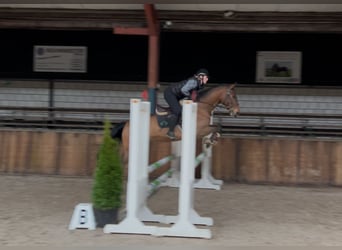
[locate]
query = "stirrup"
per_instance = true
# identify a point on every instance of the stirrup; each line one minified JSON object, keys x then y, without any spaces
{"x":171,"y":135}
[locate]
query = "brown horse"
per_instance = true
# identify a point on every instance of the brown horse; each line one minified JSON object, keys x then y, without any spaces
{"x":207,"y":101}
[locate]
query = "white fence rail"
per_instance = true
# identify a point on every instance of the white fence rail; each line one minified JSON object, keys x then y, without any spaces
{"x":87,"y":101}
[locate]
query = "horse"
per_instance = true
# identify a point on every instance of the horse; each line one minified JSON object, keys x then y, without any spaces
{"x":207,"y":100}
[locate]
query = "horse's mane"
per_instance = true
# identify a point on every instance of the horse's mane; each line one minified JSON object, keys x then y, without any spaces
{"x":206,"y":91}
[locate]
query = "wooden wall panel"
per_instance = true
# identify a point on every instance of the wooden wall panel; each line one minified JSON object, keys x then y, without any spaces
{"x":314,"y":162}
{"x":10,"y":152}
{"x":3,"y":151}
{"x":94,"y":142}
{"x":282,"y":161}
{"x":336,"y":168}
{"x":23,"y":145}
{"x":73,"y":154}
{"x":252,"y":160}
{"x":42,"y":153}
{"x":224,"y":160}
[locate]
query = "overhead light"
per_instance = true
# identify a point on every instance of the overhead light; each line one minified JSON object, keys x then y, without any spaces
{"x":228,"y":13}
{"x":167,"y":24}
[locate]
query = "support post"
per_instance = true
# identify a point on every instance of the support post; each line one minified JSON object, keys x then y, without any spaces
{"x":153,"y":33}
{"x":137,"y":172}
{"x":184,"y":226}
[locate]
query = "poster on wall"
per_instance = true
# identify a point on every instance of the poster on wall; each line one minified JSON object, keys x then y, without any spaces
{"x":68,"y":59}
{"x":279,"y":66}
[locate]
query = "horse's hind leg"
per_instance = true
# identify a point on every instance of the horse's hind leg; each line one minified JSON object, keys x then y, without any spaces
{"x":124,"y":160}
{"x":124,"y":150}
{"x":124,"y":156}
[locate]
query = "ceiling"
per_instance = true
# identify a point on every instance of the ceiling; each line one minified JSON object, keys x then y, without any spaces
{"x":176,"y":17}
{"x":193,"y":5}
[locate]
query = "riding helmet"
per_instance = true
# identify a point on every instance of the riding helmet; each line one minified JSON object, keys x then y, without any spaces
{"x":202,"y":72}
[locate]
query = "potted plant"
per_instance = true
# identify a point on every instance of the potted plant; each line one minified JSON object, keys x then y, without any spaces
{"x":108,"y":182}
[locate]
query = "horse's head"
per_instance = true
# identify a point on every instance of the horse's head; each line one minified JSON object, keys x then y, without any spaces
{"x":230,"y":101}
{"x":220,"y":96}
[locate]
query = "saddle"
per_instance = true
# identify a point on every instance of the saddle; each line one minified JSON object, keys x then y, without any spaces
{"x":162,"y":110}
{"x":165,"y":110}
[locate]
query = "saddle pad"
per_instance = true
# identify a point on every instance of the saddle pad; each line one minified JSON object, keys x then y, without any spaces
{"x":163,"y":121}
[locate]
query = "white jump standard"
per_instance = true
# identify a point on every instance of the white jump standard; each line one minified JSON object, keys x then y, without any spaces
{"x":186,"y":213}
{"x":138,"y":188}
{"x":137,"y":172}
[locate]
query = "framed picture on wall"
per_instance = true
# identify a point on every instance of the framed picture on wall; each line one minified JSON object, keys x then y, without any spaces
{"x":279,"y":66}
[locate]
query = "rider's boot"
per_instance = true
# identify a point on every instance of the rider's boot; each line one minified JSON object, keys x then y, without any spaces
{"x":179,"y":121}
{"x":172,"y":124}
{"x":171,"y":135}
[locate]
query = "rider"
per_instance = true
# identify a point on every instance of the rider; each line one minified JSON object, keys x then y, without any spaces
{"x":183,"y":90}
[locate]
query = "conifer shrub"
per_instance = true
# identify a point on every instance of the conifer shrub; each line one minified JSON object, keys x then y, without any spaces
{"x":108,"y":181}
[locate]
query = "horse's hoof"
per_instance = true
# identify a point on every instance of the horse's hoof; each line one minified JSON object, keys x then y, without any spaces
{"x":214,"y":138}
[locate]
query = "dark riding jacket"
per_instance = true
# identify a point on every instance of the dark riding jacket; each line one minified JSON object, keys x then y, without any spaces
{"x":184,"y":88}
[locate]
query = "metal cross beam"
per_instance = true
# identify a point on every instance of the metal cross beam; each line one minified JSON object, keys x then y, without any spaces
{"x":152,"y":31}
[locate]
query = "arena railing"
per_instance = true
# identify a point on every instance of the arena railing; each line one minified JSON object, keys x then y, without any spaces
{"x":265,"y":109}
{"x":254,"y":124}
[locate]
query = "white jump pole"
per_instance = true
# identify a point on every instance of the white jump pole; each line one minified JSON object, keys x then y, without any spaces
{"x":173,"y":180}
{"x":207,"y":181}
{"x":137,"y":172}
{"x":184,"y":226}
{"x":146,"y":214}
{"x":160,"y":181}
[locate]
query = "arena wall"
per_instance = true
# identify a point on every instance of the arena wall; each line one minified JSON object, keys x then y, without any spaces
{"x":269,"y":160}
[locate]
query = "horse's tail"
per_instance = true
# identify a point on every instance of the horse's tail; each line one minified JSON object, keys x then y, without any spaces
{"x":117,"y":130}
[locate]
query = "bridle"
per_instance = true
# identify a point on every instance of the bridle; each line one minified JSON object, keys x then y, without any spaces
{"x":229,"y":107}
{"x":226,"y":103}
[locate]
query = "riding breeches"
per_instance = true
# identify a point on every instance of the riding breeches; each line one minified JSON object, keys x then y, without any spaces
{"x":173,"y":102}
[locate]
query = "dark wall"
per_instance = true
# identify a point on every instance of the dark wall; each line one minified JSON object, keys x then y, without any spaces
{"x":109,"y":57}
{"x":228,"y":56}
{"x":232,"y":57}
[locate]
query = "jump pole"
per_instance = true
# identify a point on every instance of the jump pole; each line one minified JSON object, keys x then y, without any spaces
{"x":137,"y":183}
{"x":158,"y":182}
{"x":145,"y":213}
{"x":184,"y":226}
{"x":173,"y":180}
{"x":207,"y":181}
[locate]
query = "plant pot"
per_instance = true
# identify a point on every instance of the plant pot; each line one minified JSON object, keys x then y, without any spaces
{"x":103,"y":217}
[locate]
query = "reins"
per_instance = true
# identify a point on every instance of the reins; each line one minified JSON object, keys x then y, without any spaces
{"x":228,"y":94}
{"x":209,"y":104}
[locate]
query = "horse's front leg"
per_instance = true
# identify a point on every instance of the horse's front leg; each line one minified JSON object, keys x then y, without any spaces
{"x":213,"y":135}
